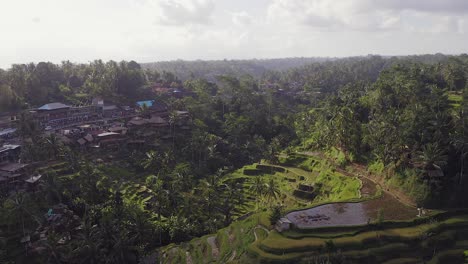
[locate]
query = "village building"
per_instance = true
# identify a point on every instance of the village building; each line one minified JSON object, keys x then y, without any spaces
{"x":110,"y":111}
{"x":110,"y":139}
{"x":14,"y":172}
{"x":118,"y":129}
{"x":7,"y":133}
{"x":50,"y":112}
{"x":58,"y":115}
{"x":157,"y":122}
{"x":153,"y":107}
{"x":7,"y":120}
{"x":32,"y":182}
{"x":9,"y":153}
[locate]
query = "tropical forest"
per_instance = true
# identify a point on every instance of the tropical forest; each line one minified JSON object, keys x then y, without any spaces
{"x":318,"y":160}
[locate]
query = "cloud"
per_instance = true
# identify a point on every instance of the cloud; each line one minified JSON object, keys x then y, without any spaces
{"x":242,"y":18}
{"x":431,"y":6}
{"x":185,"y":12}
{"x":368,"y":15}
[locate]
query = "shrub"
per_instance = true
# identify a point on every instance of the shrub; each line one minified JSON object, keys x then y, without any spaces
{"x":304,"y":194}
{"x":337,"y":156}
{"x":306,"y":188}
{"x":276,"y":213}
{"x":376,"y":167}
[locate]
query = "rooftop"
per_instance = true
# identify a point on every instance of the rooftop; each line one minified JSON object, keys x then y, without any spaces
{"x":284,"y":220}
{"x":7,"y":131}
{"x":109,"y":107}
{"x":106,"y":134}
{"x":157,"y":120}
{"x":33,"y":179}
{"x":53,"y":106}
{"x":12,"y":167}
{"x":148,"y":103}
{"x":9,"y":147}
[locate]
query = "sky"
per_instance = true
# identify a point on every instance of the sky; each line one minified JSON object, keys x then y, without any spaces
{"x":159,"y":30}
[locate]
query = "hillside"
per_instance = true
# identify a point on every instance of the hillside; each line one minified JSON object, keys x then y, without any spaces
{"x":392,"y":226}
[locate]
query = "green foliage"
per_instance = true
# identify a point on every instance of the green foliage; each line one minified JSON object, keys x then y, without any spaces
{"x":337,"y":156}
{"x":276,"y":213}
{"x":376,"y":167}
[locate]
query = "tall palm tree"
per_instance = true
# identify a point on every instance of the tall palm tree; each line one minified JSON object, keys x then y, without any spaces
{"x":53,"y":146}
{"x":272,"y":190}
{"x":258,"y":187}
{"x":431,"y":156}
{"x":152,"y":160}
{"x":173,"y":119}
{"x":460,"y":136}
{"x":89,"y":244}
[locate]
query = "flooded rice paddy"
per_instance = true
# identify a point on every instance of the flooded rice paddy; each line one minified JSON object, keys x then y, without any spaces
{"x":351,"y":214}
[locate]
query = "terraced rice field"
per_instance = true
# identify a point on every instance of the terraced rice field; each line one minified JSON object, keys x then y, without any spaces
{"x":350,"y":214}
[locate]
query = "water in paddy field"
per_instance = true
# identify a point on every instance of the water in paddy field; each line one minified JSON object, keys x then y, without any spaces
{"x":350,"y":214}
{"x":338,"y":214}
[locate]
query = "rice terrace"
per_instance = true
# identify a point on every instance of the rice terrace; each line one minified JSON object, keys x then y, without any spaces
{"x":329,"y":212}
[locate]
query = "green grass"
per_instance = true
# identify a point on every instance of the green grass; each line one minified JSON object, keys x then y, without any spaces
{"x":236,"y":237}
{"x":455,"y":99}
{"x":358,"y":243}
{"x":277,"y":243}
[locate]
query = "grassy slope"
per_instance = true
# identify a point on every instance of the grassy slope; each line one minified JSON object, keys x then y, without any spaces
{"x":336,"y":187}
{"x":358,"y":244}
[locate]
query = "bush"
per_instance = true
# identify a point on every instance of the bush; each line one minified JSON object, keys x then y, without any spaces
{"x":276,"y":214}
{"x":306,"y":188}
{"x":304,"y":194}
{"x":376,"y":167}
{"x":337,"y":156}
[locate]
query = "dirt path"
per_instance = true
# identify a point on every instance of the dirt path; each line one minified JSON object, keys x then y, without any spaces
{"x":188,"y":258}
{"x":259,"y":227}
{"x":214,"y":248}
{"x":397,"y":194}
{"x":362,"y":173}
{"x":233,"y":256}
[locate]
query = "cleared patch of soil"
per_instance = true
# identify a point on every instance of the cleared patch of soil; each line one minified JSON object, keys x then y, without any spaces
{"x":368,"y":188}
{"x":214,"y":248}
{"x":392,"y":208}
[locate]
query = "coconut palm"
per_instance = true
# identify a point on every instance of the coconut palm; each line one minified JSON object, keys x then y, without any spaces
{"x":272,"y":190}
{"x":431,"y":156}
{"x":258,"y":187}
{"x":152,"y":160}
{"x":53,"y":145}
{"x":173,"y":120}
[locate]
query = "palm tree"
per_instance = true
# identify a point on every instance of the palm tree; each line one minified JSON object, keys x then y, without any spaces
{"x":258,"y":187}
{"x":272,"y":190}
{"x":431,"y":156}
{"x":89,"y":245}
{"x":173,"y":119}
{"x":152,"y":160}
{"x":460,"y":137}
{"x":21,"y":205}
{"x":53,"y":145}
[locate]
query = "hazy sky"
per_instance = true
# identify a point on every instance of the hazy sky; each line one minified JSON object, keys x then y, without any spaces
{"x":153,"y":30}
